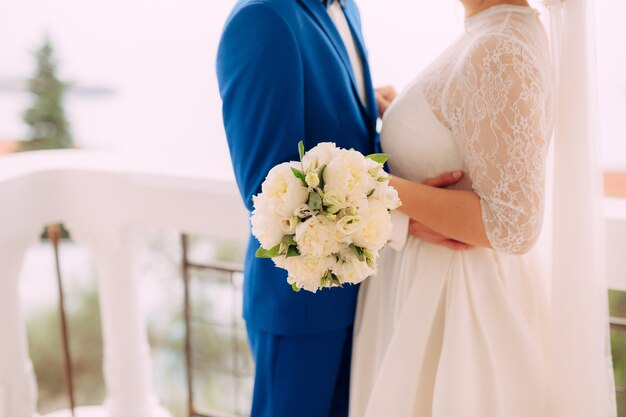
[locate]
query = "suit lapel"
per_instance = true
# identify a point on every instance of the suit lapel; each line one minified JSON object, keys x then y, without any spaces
{"x":350,"y":12}
{"x":319,"y":13}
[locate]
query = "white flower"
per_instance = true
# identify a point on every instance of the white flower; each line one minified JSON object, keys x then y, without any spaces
{"x":349,"y":269}
{"x":284,"y":192}
{"x":376,"y":228}
{"x":387,"y":195}
{"x":335,"y":199}
{"x":318,"y":236}
{"x":289,"y":225}
{"x":347,"y":179}
{"x":312,"y":179}
{"x":351,"y":219}
{"x":306,"y":271}
{"x":267,"y":225}
{"x":303,"y":211}
{"x":375,"y":169}
{"x":348,"y":225}
{"x":318,"y":156}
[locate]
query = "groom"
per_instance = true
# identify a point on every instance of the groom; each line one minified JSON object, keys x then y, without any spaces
{"x":292,"y":70}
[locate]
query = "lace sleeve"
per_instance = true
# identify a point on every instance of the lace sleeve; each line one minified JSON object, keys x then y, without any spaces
{"x":498,"y":108}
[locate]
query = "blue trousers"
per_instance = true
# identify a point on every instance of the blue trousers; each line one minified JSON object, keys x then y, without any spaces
{"x":301,"y":376}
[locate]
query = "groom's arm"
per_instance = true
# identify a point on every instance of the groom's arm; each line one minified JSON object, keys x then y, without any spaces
{"x":261,"y":84}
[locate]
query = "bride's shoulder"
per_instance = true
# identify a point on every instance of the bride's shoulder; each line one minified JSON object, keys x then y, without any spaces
{"x":509,"y":45}
{"x":517,"y":37}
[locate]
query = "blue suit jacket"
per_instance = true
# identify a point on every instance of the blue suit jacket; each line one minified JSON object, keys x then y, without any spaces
{"x":284,"y":76}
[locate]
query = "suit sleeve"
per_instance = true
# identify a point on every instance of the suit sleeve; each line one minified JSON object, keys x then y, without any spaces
{"x":260,"y":76}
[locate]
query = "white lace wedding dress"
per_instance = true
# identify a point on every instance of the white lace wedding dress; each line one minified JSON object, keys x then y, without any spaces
{"x":441,"y":333}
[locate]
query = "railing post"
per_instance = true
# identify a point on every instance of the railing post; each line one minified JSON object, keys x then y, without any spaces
{"x":18,"y":386}
{"x":127,"y":362}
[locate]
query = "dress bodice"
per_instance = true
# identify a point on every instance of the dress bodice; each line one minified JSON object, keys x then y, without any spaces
{"x":484,"y":106}
{"x":432,"y":150}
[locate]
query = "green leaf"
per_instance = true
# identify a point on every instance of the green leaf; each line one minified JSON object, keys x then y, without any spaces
{"x":295,"y":288}
{"x":266,"y":254}
{"x":315,"y":201}
{"x":320,"y":174}
{"x":301,"y":149}
{"x":299,"y":175}
{"x":357,"y":251}
{"x":292,"y":251}
{"x":335,"y":280}
{"x":370,"y":263}
{"x":324,"y":280}
{"x":371,"y":193}
{"x":288,"y":240}
{"x":381,"y":158}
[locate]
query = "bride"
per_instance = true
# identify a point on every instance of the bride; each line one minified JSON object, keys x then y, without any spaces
{"x":444,"y":333}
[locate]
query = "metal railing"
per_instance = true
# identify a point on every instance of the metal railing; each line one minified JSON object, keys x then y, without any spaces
{"x":54,"y":236}
{"x":229,"y":272}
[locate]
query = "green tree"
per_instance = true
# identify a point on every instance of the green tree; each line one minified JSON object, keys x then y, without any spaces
{"x":49,"y":128}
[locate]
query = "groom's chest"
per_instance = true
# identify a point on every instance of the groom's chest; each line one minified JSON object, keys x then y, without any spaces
{"x":334,"y":101}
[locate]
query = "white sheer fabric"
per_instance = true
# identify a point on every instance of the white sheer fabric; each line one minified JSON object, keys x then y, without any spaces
{"x":580,"y":357}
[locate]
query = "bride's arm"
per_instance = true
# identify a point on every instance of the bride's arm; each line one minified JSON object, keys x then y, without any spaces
{"x":452,"y":213}
{"x":498,"y":106}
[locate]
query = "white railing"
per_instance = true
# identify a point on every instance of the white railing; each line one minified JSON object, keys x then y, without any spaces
{"x":100,"y":198}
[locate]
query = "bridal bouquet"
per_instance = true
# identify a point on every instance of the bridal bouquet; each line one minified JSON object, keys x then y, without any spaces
{"x":324,"y":219}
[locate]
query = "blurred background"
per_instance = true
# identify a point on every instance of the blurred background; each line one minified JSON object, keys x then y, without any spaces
{"x":136,"y":78}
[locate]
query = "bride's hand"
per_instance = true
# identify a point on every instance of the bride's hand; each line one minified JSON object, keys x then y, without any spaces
{"x":384,"y":97}
{"x":422,"y":232}
{"x":419,"y":231}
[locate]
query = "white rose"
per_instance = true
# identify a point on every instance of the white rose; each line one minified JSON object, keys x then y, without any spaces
{"x":347,"y":176}
{"x":318,"y":156}
{"x":335,"y":199}
{"x":350,"y":270}
{"x":284,"y":192}
{"x":387,"y":196}
{"x":306,"y":271}
{"x":352,"y":218}
{"x":288,"y":225}
{"x":312,"y":179}
{"x":376,"y":229}
{"x":318,"y":236}
{"x":349,"y":225}
{"x":303,"y":211}
{"x":267,"y":225}
{"x":375,"y":169}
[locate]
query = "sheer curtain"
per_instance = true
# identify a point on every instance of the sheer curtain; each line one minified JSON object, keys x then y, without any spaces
{"x":580,"y":358}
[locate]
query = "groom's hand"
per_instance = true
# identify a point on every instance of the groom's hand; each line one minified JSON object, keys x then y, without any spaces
{"x":422,"y":232}
{"x":384,"y":97}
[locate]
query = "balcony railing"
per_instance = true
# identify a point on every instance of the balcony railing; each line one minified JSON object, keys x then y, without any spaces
{"x":101,"y":199}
